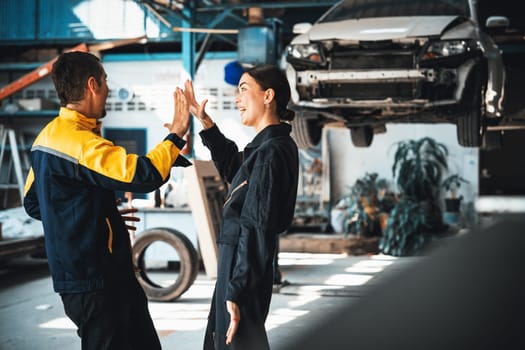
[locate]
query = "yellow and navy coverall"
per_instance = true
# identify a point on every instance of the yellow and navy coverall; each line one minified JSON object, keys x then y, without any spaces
{"x":70,"y":188}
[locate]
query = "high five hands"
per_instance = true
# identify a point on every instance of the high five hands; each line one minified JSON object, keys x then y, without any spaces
{"x":186,"y":103}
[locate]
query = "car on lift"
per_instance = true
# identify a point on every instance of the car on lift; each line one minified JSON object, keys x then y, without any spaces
{"x":367,"y":63}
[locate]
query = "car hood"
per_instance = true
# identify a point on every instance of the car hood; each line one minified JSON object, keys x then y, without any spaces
{"x":372,"y":29}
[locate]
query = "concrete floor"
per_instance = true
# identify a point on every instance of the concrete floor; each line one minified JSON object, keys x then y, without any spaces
{"x":465,"y":289}
{"x":32,"y":317}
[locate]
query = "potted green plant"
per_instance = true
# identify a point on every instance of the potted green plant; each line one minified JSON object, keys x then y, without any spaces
{"x":452,"y":200}
{"x":418,"y":168}
{"x":451,"y":185}
{"x":364,"y":210}
{"x":372,"y":203}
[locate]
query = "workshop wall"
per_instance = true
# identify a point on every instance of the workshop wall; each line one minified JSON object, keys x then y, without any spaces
{"x":349,"y":163}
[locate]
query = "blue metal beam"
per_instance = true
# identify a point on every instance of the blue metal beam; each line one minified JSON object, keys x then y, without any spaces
{"x":270,"y":5}
{"x":188,"y":62}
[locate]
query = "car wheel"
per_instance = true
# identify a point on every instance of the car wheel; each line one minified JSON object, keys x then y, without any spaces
{"x":188,"y":260}
{"x":362,"y":136}
{"x":470,"y":128}
{"x":306,"y":130}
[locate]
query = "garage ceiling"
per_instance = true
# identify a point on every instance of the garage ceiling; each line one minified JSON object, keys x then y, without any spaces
{"x":26,"y":25}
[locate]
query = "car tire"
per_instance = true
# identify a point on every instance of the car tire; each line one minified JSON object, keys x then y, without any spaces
{"x":189,"y":263}
{"x":470,"y":128}
{"x":362,"y":136}
{"x":306,"y":130}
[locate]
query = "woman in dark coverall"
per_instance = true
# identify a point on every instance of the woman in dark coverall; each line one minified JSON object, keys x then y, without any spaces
{"x":259,"y":205}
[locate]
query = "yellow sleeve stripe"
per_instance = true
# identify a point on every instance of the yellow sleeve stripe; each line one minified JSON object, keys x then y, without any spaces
{"x":109,"y":160}
{"x":165,"y":150}
{"x":29,"y":181}
{"x":114,"y":162}
{"x":101,"y":155}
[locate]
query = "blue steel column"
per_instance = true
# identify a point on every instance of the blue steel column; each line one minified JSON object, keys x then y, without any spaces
{"x":188,"y":63}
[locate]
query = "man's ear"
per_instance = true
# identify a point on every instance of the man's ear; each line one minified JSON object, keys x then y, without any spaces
{"x":92,"y":84}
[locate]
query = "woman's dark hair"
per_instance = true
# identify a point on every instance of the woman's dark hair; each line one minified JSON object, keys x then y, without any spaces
{"x":71,"y":72}
{"x":272,"y":77}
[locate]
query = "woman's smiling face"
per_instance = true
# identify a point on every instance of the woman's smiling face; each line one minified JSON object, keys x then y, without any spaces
{"x":250,"y":100}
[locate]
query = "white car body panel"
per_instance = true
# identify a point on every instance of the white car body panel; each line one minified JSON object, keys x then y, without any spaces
{"x":384,"y":28}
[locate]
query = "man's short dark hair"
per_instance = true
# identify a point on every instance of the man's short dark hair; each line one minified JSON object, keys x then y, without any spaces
{"x":71,"y":72}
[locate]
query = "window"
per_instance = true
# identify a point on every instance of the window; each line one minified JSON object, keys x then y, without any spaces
{"x":134,"y":141}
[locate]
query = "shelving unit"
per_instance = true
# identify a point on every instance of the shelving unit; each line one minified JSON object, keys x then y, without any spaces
{"x":312,"y":210}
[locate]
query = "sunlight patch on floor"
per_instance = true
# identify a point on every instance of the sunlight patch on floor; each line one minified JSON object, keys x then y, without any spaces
{"x":286,"y":259}
{"x":369,"y":266}
{"x":282,"y":316}
{"x":348,"y":280}
{"x":180,"y":324}
{"x":59,"y":323}
{"x":302,"y":300}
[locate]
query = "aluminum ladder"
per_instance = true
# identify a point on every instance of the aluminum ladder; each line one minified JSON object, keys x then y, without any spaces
{"x":18,"y":158}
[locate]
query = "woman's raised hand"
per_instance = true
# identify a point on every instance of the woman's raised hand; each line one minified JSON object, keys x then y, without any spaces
{"x":198,"y":110}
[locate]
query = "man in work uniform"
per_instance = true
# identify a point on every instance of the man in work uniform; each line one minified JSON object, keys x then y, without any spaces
{"x":70,"y":187}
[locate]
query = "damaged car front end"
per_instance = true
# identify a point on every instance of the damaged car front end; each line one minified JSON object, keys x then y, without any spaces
{"x":368,"y":63}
